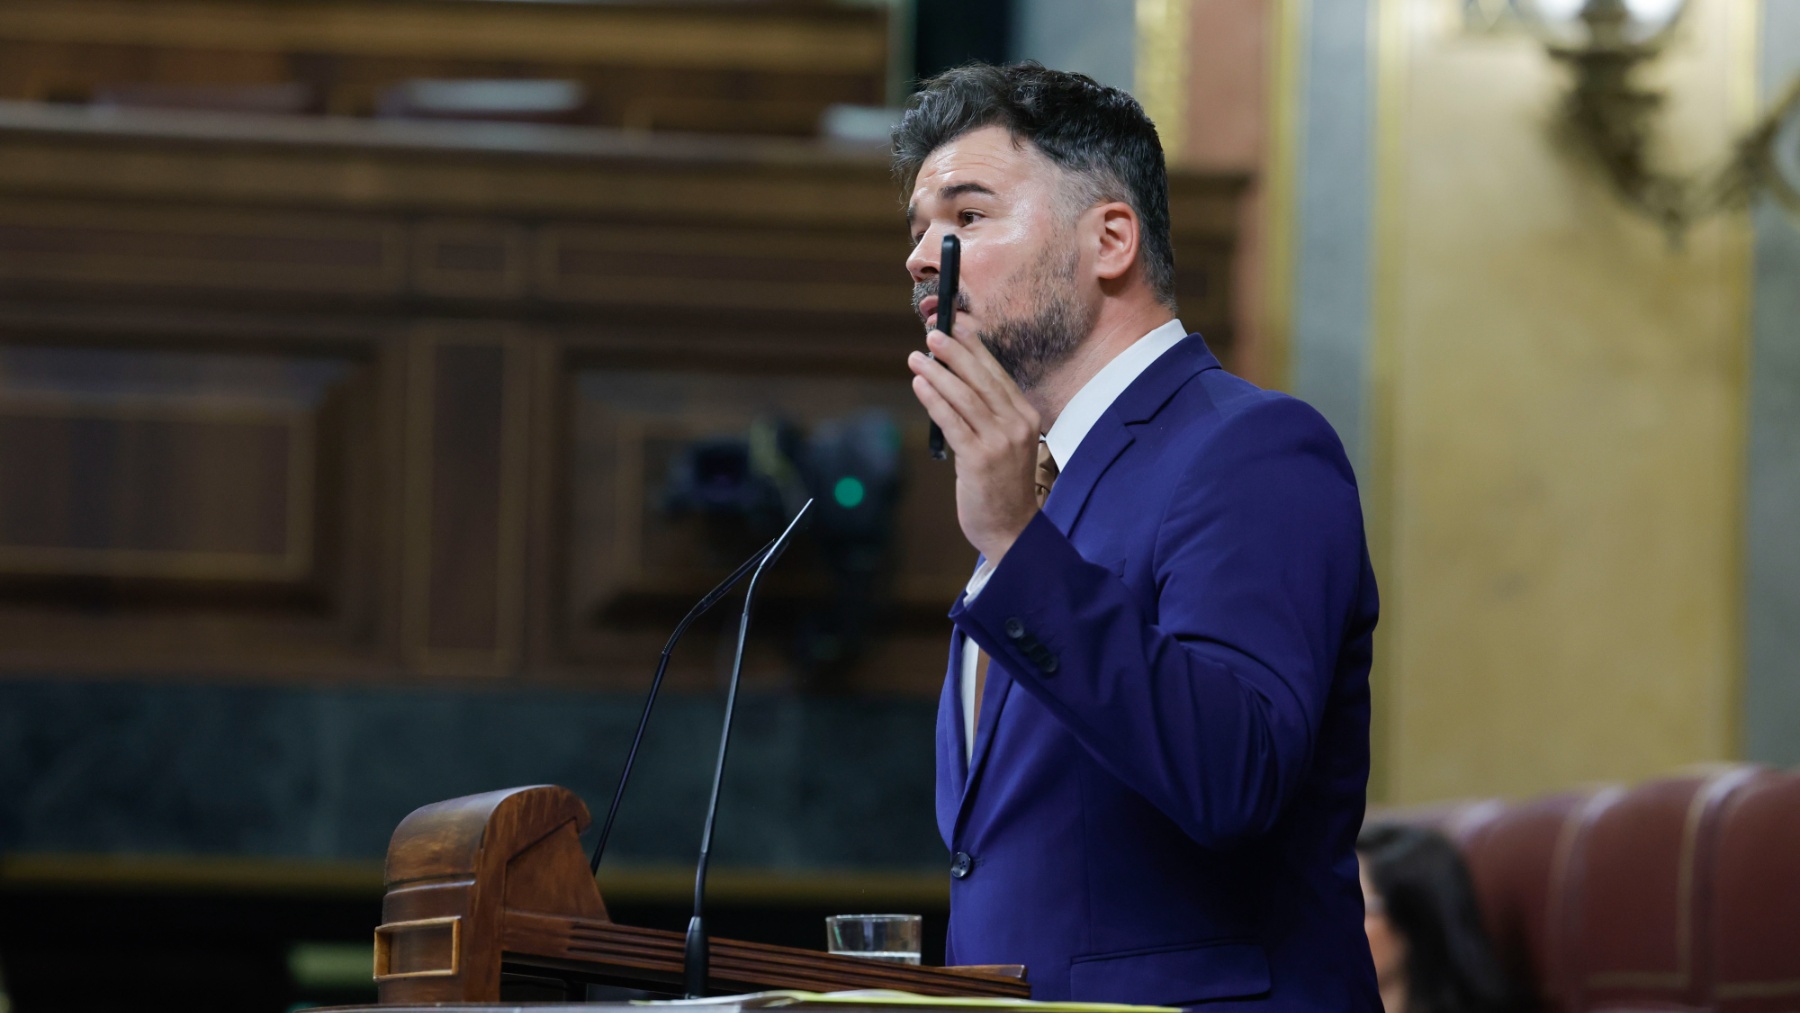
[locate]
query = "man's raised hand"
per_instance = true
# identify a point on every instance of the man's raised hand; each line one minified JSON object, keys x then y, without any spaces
{"x":992,"y":430}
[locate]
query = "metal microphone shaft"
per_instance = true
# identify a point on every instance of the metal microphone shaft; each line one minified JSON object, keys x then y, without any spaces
{"x":696,"y":952}
{"x":662,"y":665}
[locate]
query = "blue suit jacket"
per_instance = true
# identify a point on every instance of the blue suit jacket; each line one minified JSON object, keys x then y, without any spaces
{"x":1173,"y":751}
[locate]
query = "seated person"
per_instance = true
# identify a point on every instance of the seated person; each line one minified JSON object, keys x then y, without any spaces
{"x":1431,"y":952}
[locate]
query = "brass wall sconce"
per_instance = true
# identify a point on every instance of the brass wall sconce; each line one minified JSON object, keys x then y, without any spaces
{"x":1610,"y":118}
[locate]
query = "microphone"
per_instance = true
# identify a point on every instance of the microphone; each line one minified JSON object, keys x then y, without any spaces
{"x":695,"y":955}
{"x":662,"y":665}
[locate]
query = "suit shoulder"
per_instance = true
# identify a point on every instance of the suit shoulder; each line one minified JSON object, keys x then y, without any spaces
{"x":1240,"y":410}
{"x":1265,"y":449}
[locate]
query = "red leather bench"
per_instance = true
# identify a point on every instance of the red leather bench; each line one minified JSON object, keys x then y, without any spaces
{"x":1678,"y":894}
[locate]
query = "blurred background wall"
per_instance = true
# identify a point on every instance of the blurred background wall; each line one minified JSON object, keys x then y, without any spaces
{"x":1771,"y":705}
{"x":1568,"y":427}
{"x":379,"y":382}
{"x":1557,"y":403}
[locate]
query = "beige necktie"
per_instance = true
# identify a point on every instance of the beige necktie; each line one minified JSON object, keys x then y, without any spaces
{"x":1046,"y":477}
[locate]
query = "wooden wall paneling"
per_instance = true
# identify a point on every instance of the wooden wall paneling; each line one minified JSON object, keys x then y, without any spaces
{"x":468,"y":413}
{"x":168,"y":503}
{"x":348,"y":500}
{"x":545,"y":633}
{"x":1203,"y":292}
{"x":529,"y":325}
{"x":793,"y":271}
{"x":393,"y":410}
{"x":694,"y":66}
{"x":463,"y":258}
{"x":693,"y":35}
{"x":1204,"y":239}
{"x":546,"y":174}
{"x":68,"y":243}
{"x":166,"y":465}
{"x":134,"y":486}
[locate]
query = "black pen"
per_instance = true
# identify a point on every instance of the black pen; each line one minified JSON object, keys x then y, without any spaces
{"x":948,"y":264}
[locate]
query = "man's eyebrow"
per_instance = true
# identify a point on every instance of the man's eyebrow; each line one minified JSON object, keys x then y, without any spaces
{"x":949,"y":193}
{"x":955,"y":190}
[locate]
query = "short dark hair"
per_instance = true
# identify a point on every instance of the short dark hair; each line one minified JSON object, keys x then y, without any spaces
{"x":1096,"y":133}
{"x":1430,"y":899}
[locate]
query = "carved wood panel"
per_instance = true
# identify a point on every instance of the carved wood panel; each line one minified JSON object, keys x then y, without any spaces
{"x":465,"y":457}
{"x":83,"y":243}
{"x":152,"y":494}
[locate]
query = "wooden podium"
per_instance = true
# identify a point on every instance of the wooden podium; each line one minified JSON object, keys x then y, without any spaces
{"x":499,"y":882}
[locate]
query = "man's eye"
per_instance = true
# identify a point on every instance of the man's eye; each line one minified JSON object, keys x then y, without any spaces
{"x":968,"y":217}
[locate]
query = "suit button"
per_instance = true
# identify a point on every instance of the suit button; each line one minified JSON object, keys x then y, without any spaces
{"x":961,"y":864}
{"x":1048,"y":665}
{"x":1015,"y":629}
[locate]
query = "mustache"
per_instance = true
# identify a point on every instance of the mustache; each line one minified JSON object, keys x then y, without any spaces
{"x":925,"y":289}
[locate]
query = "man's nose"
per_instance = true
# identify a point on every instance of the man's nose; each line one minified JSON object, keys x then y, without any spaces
{"x":922,"y":263}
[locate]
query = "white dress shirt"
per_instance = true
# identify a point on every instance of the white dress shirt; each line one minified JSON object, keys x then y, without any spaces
{"x":1064,"y":438}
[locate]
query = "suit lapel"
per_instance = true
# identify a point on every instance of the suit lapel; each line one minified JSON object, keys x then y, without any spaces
{"x":993,"y":700}
{"x":1112,"y":433}
{"x":959,"y":644}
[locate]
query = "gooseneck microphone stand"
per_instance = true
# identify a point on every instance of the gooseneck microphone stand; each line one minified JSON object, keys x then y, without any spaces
{"x":662,"y":665}
{"x":695,"y":955}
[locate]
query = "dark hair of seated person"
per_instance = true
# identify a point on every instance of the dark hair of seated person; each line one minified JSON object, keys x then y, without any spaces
{"x":1426,"y":894}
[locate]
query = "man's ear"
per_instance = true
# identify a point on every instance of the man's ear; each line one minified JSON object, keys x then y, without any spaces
{"x":1117,"y":233}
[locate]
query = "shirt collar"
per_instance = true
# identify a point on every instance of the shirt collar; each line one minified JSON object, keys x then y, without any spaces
{"x":1098,"y":394}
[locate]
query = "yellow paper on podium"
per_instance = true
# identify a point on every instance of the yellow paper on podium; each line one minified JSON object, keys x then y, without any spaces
{"x":884,"y":997}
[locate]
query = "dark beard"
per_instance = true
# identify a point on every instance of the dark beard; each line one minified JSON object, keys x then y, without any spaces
{"x":1028,"y":348}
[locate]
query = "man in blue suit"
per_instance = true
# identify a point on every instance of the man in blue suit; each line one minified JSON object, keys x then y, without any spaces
{"x":1153,"y":743}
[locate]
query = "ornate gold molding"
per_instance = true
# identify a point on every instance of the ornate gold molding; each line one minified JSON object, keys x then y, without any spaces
{"x":1281,"y":182}
{"x":1381,"y":492}
{"x":1161,"y":76}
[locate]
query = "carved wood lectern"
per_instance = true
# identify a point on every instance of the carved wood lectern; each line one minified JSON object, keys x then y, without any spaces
{"x":497,"y":880}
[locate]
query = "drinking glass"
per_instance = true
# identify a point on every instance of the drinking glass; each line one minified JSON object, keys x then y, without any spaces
{"x":894,"y":938}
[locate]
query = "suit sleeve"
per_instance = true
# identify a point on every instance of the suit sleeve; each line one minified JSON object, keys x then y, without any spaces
{"x":1211,"y":706}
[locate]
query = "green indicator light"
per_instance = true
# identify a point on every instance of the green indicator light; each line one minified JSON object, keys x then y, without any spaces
{"x":848,"y":492}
